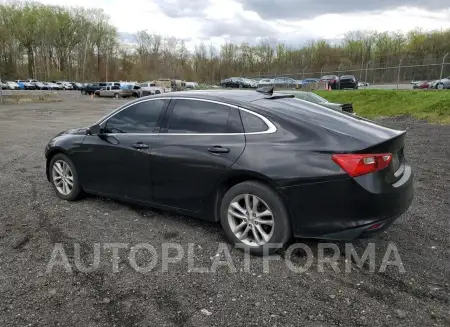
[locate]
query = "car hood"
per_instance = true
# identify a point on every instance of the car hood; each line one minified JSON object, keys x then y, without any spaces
{"x":73,"y":131}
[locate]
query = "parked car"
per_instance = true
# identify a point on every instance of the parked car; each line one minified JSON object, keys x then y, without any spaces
{"x":314,"y":98}
{"x":348,"y":82}
{"x":285,"y":82}
{"x":76,"y":86}
{"x":250,"y":83}
{"x":333,"y":81}
{"x":42,"y":86}
{"x":265,"y":82}
{"x":12,"y":85}
{"x":319,"y":173}
{"x":54,"y":86}
{"x":24,"y":85}
{"x":310,"y":80}
{"x":91,"y":88}
{"x":115,"y":91}
{"x":443,"y":83}
{"x":131,"y":90}
{"x":191,"y":85}
{"x":32,"y":82}
{"x":112,"y":91}
{"x":237,"y":82}
{"x":433,"y":84}
{"x":421,"y":85}
{"x":150,"y":88}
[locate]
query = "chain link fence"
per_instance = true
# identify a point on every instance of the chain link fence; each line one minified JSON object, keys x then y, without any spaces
{"x":380,"y":70}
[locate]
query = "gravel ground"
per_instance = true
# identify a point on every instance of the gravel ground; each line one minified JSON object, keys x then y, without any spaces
{"x":33,"y":219}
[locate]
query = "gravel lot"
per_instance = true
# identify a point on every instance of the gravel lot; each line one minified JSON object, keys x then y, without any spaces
{"x":33,"y":219}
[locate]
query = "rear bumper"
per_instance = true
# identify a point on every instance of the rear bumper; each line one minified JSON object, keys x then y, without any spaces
{"x":345,"y":209}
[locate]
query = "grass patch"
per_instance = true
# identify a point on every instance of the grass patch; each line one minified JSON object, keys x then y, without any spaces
{"x":433,"y":106}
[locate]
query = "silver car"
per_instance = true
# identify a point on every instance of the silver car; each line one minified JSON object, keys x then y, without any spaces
{"x":443,"y":83}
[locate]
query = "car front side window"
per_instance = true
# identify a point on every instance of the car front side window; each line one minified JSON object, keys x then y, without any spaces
{"x":141,"y":117}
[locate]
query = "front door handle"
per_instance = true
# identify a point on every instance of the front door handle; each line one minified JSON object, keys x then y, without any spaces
{"x":140,"y":145}
{"x":218,"y":149}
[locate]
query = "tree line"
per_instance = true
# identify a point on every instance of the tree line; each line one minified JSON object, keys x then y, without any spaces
{"x":53,"y":42}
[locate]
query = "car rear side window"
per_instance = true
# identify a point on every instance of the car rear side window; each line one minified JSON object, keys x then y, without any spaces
{"x":202,"y":117}
{"x":252,"y":123}
{"x":141,"y":117}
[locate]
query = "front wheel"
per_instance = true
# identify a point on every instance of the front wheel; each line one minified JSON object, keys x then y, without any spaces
{"x":64,"y":178}
{"x":440,"y":86}
{"x":254,"y":217}
{"x":116,"y":95}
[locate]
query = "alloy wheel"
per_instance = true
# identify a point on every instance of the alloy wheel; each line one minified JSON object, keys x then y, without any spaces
{"x":250,"y":220}
{"x":62,"y":177}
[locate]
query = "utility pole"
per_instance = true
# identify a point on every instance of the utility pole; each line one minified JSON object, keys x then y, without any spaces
{"x":442,"y":66}
{"x":398,"y":73}
{"x":367,"y":67}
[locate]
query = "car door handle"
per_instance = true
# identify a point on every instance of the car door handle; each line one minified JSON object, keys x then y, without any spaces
{"x":140,"y":145}
{"x":218,"y":149}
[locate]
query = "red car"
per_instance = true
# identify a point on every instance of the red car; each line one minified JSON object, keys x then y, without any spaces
{"x":422,"y":85}
{"x":333,"y":81}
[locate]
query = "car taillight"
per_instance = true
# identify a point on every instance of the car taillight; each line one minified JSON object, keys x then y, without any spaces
{"x":361,"y":164}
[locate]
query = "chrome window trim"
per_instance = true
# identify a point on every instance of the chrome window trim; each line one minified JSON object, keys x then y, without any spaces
{"x":271,"y":128}
{"x":115,"y":112}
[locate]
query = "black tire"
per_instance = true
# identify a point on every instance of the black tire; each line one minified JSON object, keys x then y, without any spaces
{"x":282,"y":226}
{"x":76,"y":191}
{"x":157,"y":92}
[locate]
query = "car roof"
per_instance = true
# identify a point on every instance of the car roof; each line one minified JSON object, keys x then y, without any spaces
{"x":228,"y":96}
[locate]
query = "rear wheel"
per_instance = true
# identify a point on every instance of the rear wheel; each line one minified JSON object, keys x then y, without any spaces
{"x":254,"y":217}
{"x":440,"y":86}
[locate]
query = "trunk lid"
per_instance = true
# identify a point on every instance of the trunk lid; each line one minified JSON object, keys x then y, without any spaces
{"x":395,"y":146}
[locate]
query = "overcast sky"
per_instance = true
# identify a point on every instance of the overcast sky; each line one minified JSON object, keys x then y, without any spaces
{"x":291,"y":21}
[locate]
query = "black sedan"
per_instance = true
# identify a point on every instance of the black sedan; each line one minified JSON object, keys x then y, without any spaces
{"x":266,"y":165}
{"x":348,"y":82}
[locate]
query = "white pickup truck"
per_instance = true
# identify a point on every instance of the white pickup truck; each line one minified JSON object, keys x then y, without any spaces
{"x":150,"y":88}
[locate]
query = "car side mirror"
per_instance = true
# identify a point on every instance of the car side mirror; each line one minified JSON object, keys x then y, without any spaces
{"x":94,"y":130}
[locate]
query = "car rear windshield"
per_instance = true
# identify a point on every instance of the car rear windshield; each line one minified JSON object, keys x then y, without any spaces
{"x":300,"y":109}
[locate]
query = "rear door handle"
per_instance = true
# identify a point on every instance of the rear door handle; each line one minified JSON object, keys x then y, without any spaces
{"x":140,"y":145}
{"x":218,"y":149}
